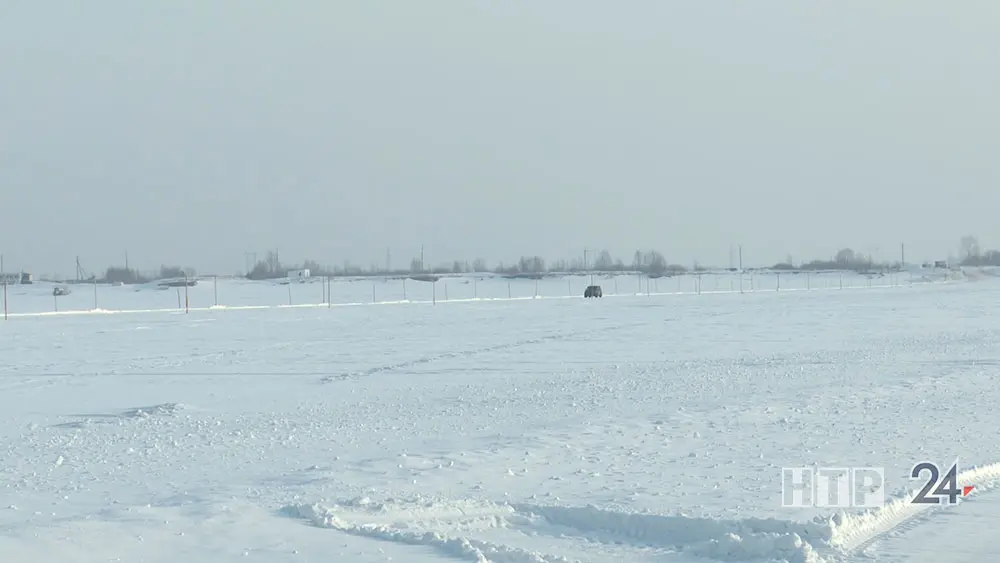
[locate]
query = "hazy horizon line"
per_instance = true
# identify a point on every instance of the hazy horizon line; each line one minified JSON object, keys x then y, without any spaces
{"x":968,"y":245}
{"x":582,"y":262}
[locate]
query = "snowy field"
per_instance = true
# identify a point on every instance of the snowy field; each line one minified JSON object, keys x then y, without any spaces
{"x":635,"y":429}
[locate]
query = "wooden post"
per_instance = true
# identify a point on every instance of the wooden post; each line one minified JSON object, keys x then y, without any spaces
{"x":446,"y":291}
{"x":5,"y":299}
{"x":329,"y":290}
{"x":404,"y":290}
{"x":289,"y":293}
{"x":434,"y":291}
{"x":699,"y":284}
{"x":616,"y":285}
{"x":373,"y":293}
{"x":178,"y":298}
{"x":475,"y":288}
{"x":536,"y":288}
{"x":187,"y":301}
{"x":508,"y":291}
{"x":777,"y":282}
{"x":95,"y":295}
{"x":55,"y":304}
{"x":841,"y":281}
{"x":215,"y":288}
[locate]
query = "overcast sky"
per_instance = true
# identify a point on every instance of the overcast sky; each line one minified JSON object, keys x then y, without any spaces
{"x":191,"y":132}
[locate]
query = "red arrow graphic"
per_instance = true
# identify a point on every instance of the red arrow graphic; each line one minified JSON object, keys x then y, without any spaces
{"x":967,"y":489}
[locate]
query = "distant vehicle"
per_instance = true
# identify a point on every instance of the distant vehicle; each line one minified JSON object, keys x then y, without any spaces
{"x":593,"y":291}
{"x":60,"y":291}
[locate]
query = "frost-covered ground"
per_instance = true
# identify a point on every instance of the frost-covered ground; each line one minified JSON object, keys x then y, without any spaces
{"x":641,"y":428}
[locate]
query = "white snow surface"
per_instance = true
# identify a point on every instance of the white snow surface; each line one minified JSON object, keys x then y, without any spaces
{"x":644,"y":428}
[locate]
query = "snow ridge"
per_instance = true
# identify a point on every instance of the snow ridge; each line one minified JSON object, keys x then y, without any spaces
{"x":459,"y":547}
{"x":852,"y":533}
{"x":422,"y":523}
{"x":727,"y":540}
{"x":429,"y":523}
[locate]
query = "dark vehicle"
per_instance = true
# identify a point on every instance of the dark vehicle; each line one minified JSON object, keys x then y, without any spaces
{"x":593,"y":291}
{"x":60,"y":291}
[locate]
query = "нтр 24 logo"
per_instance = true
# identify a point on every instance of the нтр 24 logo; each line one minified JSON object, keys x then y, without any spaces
{"x":947,"y":490}
{"x":863,"y":487}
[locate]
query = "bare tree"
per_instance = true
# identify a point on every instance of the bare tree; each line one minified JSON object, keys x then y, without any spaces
{"x":531,"y":264}
{"x":970,"y":248}
{"x":657,"y":263}
{"x":169,"y":272}
{"x":844,"y":257}
{"x":604,"y":261}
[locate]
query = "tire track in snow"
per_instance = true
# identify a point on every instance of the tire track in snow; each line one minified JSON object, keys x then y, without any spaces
{"x":459,"y":354}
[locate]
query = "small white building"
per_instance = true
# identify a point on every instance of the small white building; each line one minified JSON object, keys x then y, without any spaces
{"x":298,"y":275}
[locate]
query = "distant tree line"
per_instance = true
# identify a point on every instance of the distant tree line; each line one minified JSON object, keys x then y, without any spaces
{"x":973,"y":255}
{"x":844,"y":259}
{"x":125,"y":275}
{"x":648,"y":262}
{"x":970,"y":254}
